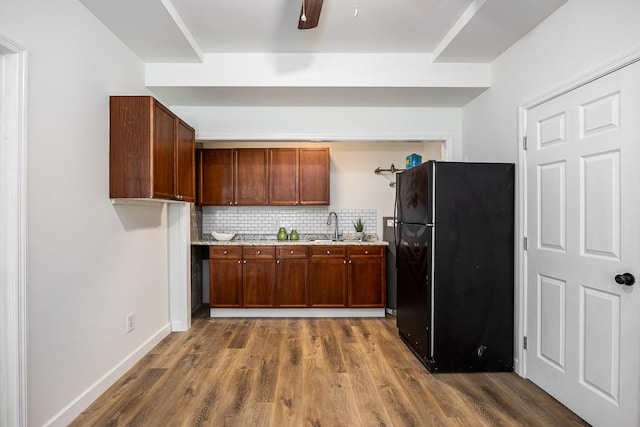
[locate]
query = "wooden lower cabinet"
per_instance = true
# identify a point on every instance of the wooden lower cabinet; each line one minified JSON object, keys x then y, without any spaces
{"x":297,"y":276}
{"x":327,"y":276}
{"x":292,"y":277}
{"x":225,"y":276}
{"x":258,"y":276}
{"x":366,"y":276}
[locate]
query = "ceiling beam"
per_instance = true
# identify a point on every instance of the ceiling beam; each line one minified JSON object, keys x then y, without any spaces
{"x":318,"y":70}
{"x":152,"y":29}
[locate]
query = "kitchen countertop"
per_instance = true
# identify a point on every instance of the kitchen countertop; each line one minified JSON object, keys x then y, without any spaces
{"x":273,"y":242}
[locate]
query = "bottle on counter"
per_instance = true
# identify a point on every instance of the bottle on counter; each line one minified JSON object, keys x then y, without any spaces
{"x":282,"y":234}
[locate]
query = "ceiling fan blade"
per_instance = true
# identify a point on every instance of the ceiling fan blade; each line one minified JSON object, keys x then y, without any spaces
{"x":311,"y":10}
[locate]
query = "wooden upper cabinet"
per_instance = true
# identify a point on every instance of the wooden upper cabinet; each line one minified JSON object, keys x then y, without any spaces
{"x":186,"y":162}
{"x":215,"y":177}
{"x":151,"y":151}
{"x":260,"y":176}
{"x":299,"y":176}
{"x":283,"y":176}
{"x":164,"y":166}
{"x":232,"y":177}
{"x":314,"y":176}
{"x":250,"y":177}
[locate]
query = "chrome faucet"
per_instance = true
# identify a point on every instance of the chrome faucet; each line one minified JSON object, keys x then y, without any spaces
{"x":329,"y":223}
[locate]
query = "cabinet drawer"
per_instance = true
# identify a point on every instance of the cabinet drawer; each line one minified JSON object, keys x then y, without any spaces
{"x":225,"y":252}
{"x":366,"y":251}
{"x":258,"y":252}
{"x":328,"y":251}
{"x":283,"y":252}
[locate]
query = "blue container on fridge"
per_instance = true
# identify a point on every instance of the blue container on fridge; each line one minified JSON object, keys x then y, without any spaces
{"x":413,"y":160}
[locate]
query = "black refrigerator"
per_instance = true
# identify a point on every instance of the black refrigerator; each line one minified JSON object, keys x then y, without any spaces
{"x":455,"y":264}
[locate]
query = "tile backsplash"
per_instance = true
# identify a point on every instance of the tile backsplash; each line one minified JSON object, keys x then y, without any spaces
{"x":265,"y":221}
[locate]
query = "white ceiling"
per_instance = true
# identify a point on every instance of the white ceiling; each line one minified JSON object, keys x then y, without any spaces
{"x":445,"y":31}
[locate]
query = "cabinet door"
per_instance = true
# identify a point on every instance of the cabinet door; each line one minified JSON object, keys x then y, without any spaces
{"x":164,"y":132}
{"x":225,"y":283}
{"x":327,"y":283}
{"x":366,"y":276}
{"x":327,"y":277}
{"x":215,"y":177}
{"x":258,"y":281}
{"x":130,"y":146}
{"x":292,"y":276}
{"x":283,"y":176}
{"x":366,"y":282}
{"x":314,"y":176}
{"x":250,"y":176}
{"x":186,"y":163}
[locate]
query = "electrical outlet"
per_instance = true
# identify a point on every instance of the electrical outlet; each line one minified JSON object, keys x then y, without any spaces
{"x":131,"y":322}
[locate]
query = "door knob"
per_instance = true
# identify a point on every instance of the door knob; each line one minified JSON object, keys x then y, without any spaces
{"x":625,"y":279}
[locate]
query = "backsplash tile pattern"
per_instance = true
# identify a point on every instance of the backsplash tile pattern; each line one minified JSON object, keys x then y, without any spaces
{"x":265,"y":221}
{"x":196,"y":221}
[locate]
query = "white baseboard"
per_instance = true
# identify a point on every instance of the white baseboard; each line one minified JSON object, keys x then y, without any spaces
{"x":179,"y":326}
{"x":297,"y":312}
{"x":86,"y":398}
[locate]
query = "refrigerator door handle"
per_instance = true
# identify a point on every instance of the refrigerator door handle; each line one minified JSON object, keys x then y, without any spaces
{"x":395,"y":225}
{"x":395,"y":240}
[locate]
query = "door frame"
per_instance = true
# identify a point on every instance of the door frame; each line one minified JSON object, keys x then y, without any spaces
{"x":520,"y":362}
{"x":13,"y":229}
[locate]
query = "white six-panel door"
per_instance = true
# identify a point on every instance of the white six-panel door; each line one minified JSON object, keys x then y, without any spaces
{"x":583,"y":227}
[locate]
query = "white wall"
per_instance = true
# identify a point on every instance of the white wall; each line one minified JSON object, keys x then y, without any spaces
{"x":580,"y":37}
{"x":89,"y":263}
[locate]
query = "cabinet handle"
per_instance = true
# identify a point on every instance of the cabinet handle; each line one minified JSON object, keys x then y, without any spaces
{"x":238,"y":261}
{"x":230,"y":203}
{"x":328,"y":252}
{"x":345,"y":262}
{"x":258,"y":252}
{"x":366,"y":252}
{"x":349,"y":262}
{"x":291,"y":252}
{"x":244,"y":262}
{"x":225,"y":252}
{"x":278,"y":262}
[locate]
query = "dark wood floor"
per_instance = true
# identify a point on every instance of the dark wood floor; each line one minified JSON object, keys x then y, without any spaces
{"x":310,"y":372}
